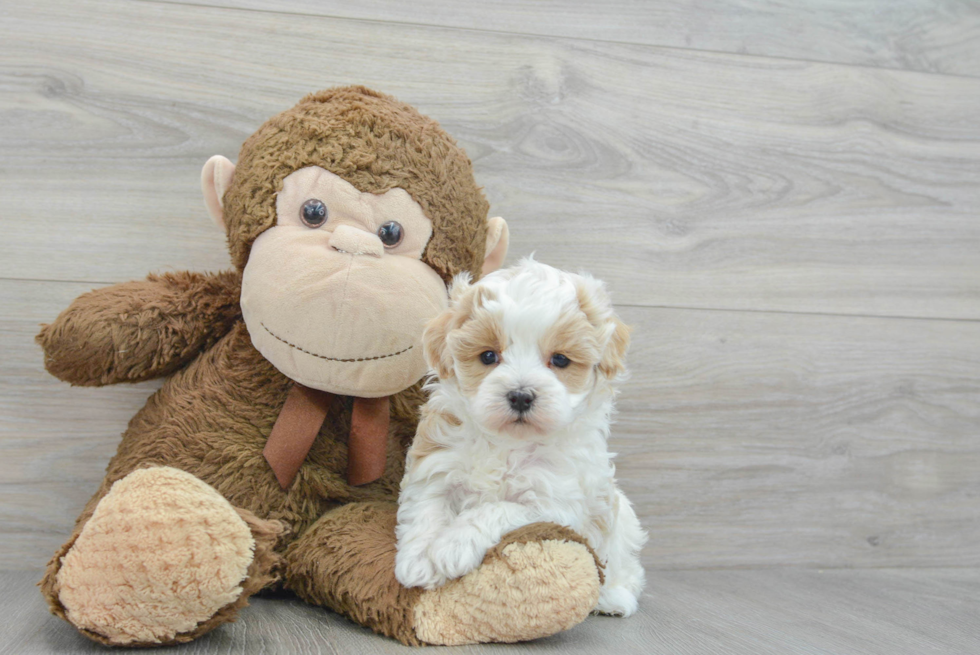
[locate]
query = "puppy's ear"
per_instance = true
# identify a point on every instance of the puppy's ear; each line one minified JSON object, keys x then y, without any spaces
{"x":613,"y":362}
{"x":460,"y":285}
{"x":597,"y":307}
{"x":434,"y":348}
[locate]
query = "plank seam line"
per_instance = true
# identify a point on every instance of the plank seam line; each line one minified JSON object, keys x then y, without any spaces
{"x":791,"y":312}
{"x":812,"y":568}
{"x":948,"y":319}
{"x":55,"y":281}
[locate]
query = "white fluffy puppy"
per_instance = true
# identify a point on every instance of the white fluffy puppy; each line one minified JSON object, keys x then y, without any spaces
{"x":515,"y":429}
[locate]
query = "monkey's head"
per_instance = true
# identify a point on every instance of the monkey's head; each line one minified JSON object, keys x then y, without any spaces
{"x":348,"y":215}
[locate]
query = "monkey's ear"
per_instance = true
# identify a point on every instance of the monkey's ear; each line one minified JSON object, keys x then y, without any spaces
{"x":498,"y":237}
{"x":215,"y":180}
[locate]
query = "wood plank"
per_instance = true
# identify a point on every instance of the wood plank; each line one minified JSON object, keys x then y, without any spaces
{"x":784,"y":612}
{"x":824,"y":189}
{"x":923,"y":35}
{"x":745,"y":439}
{"x":751,"y":439}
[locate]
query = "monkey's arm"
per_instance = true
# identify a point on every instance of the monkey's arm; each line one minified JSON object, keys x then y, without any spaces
{"x":140,"y":330}
{"x":538,"y":580}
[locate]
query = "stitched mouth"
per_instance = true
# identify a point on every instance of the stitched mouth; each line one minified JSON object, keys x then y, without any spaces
{"x":333,"y":359}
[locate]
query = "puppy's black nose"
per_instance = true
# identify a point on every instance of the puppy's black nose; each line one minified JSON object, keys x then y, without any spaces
{"x":520,"y":401}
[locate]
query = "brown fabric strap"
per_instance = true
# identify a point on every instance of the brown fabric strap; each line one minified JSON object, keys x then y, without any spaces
{"x":368,"y":441}
{"x":300,"y":420}
{"x":295,"y":431}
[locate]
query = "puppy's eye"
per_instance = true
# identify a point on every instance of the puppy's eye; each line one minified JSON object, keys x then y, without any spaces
{"x":313,"y":213}
{"x":391,"y":234}
{"x":489,"y":357}
{"x":560,"y":360}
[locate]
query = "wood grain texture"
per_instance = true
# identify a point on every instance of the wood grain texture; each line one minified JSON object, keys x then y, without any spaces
{"x":686,"y":179}
{"x":753,"y":439}
{"x":924,"y":35}
{"x":745,"y":439}
{"x":784,"y":612}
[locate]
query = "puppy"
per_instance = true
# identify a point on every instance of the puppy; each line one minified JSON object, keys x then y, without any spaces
{"x":515,"y":429}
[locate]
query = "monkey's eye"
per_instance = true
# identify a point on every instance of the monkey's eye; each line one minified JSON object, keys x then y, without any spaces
{"x":313,"y":213}
{"x":391,"y":234}
{"x":560,"y":360}
{"x":489,"y":357}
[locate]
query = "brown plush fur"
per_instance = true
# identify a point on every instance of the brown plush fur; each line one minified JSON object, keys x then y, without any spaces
{"x":542,"y":532}
{"x":345,"y":562}
{"x":163,"y":322}
{"x":212,"y":416}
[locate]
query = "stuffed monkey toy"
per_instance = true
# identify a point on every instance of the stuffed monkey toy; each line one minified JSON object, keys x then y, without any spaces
{"x":273,"y":452}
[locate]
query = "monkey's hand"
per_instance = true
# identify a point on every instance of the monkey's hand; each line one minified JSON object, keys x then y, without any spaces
{"x":140,"y":330}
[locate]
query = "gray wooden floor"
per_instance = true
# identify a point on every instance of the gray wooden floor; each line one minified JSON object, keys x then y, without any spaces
{"x":784,"y":199}
{"x":771,"y":612}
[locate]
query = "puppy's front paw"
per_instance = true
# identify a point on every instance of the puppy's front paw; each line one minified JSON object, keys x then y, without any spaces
{"x":616,"y":601}
{"x":458,"y":551}
{"x":414,"y":569}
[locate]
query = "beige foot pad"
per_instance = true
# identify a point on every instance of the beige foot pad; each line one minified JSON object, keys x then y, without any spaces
{"x":523,"y":590}
{"x":162,"y":553}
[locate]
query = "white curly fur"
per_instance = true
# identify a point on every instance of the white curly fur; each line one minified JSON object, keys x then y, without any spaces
{"x":476,"y":472}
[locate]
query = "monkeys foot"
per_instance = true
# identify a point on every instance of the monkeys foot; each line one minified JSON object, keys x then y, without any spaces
{"x":538,"y":581}
{"x":163,"y":559}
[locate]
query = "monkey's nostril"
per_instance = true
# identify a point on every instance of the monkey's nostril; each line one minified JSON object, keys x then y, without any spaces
{"x":520,"y":401}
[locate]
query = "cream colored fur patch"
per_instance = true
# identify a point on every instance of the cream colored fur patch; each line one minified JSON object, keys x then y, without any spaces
{"x":162,"y":553}
{"x":525,"y":594}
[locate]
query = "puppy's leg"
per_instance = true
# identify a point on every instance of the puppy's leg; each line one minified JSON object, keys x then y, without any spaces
{"x":423,"y":514}
{"x":461,"y":546}
{"x":624,"y":573}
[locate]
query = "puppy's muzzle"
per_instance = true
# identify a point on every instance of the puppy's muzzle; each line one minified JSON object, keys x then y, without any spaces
{"x":520,"y":400}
